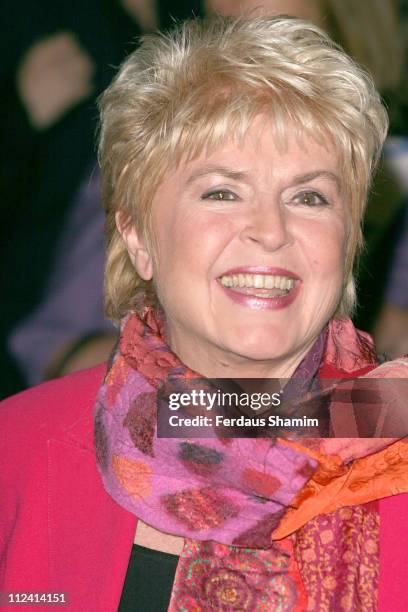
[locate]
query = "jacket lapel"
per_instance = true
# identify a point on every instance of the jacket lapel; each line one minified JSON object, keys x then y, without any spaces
{"x":90,"y":536}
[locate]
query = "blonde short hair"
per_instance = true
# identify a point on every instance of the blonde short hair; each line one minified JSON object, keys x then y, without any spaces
{"x":187,"y":91}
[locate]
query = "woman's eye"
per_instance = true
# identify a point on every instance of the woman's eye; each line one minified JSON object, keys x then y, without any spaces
{"x":311,"y":198}
{"x":219,"y":194}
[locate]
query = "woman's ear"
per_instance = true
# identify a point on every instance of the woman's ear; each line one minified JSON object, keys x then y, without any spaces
{"x":137,"y":248}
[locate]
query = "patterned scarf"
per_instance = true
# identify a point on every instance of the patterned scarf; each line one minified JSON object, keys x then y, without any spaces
{"x":229,"y":497}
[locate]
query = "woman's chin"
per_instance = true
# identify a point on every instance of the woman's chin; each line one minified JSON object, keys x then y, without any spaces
{"x":261,"y":348}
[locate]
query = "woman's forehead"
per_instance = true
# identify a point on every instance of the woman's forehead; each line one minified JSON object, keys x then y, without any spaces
{"x":250,"y":148}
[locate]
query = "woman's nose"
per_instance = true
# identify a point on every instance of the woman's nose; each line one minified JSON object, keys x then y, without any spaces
{"x":268,"y":227}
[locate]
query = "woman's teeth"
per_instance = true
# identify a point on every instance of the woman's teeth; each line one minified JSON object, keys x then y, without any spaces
{"x":258,"y":281}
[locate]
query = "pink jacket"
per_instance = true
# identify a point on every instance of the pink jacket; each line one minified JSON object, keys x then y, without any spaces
{"x":60,"y":532}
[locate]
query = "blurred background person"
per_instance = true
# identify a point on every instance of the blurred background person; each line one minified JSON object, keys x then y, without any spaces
{"x":391,"y":327}
{"x":57,"y":59}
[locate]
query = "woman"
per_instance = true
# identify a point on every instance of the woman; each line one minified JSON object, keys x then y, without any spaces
{"x":236,"y":158}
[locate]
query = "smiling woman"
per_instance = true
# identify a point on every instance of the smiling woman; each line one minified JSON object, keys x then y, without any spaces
{"x":236,"y":158}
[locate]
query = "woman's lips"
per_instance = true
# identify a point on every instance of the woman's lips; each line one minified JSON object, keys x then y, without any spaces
{"x":261,"y":303}
{"x":261,"y":288}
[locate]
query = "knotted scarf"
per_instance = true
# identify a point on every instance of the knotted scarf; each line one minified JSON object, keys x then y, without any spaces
{"x":237,"y":501}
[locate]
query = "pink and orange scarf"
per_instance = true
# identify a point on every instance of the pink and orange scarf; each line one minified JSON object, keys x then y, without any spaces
{"x":268,"y":523}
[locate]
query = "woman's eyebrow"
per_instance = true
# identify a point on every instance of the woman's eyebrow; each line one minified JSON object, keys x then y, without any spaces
{"x":241,"y":175}
{"x":235,"y":175}
{"x":310,"y":176}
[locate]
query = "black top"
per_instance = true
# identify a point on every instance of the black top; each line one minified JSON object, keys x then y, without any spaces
{"x":149,"y":580}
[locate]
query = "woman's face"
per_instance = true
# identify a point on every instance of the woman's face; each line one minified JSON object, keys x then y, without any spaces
{"x":252,"y":242}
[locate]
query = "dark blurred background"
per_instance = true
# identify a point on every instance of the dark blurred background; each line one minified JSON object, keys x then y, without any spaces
{"x":57,"y":57}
